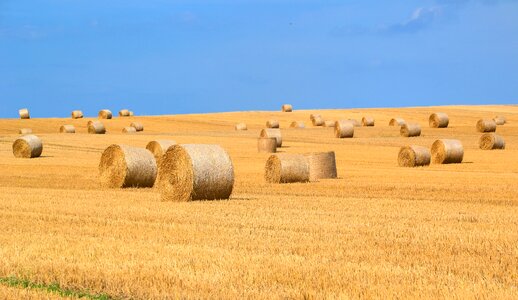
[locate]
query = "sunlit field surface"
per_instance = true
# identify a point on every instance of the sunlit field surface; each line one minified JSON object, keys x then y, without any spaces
{"x":379,"y":230}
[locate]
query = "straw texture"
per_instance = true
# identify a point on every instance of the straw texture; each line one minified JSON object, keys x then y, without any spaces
{"x":313,"y":116}
{"x":287,"y":168}
{"x":410,"y":130}
{"x":77,"y":114}
{"x":438,"y":120}
{"x":266,"y":145}
{"x":272,"y":124}
{"x":287,"y":108}
{"x":67,"y":129}
{"x":27,"y":146}
{"x":368,"y":121}
{"x":241,"y":126}
{"x":137,"y":125}
{"x":96,"y":127}
{"x":159,"y":147}
{"x":24,"y":113}
{"x":329,"y":123}
{"x":272,"y":133}
{"x":322,"y":165}
{"x":129,"y":129}
{"x":105,"y":114}
{"x":490,"y":141}
{"x":124,"y":113}
{"x":317,"y":121}
{"x":396,"y":122}
{"x":486,"y":126}
{"x":499,"y":120}
{"x":344,"y":129}
{"x":414,"y":156}
{"x":447,"y":151}
{"x":297,"y":124}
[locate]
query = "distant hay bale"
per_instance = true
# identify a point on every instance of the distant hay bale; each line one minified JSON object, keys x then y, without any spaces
{"x":129,"y":129}
{"x":25,"y":131}
{"x":287,"y":108}
{"x":124,"y":113}
{"x":67,"y":129}
{"x":329,"y":123}
{"x":158,"y":148}
{"x":322,"y":165}
{"x":313,"y":116}
{"x":24,"y":113}
{"x":344,"y":129}
{"x":355,"y":123}
{"x":195,"y":172}
{"x":410,"y":130}
{"x":267,"y":145}
{"x":272,"y":133}
{"x":124,"y":166}
{"x":241,"y":126}
{"x":105,"y":114}
{"x":137,"y":125}
{"x":486,"y":126}
{"x":317,"y":121}
{"x":499,"y":120}
{"x":367,"y":121}
{"x":414,"y":156}
{"x":490,"y":141}
{"x":297,"y":124}
{"x":27,"y":146}
{"x":396,"y":122}
{"x":130,"y":114}
{"x":96,"y":127}
{"x":446,"y":151}
{"x":77,"y":114}
{"x":272,"y":124}
{"x":287,"y":168}
{"x":438,"y":120}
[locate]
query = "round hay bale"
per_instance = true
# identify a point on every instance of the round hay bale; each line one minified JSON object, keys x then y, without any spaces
{"x":105,"y":114}
{"x":77,"y":114}
{"x":499,"y":120}
{"x":124,"y":166}
{"x":490,"y":141}
{"x":129,"y":129}
{"x":196,"y":172}
{"x":396,"y":122}
{"x":438,"y":120}
{"x":287,"y":108}
{"x":313,"y":116}
{"x":27,"y":146}
{"x":159,"y":148}
{"x":355,"y":123}
{"x":414,"y":156}
{"x":124,"y":113}
{"x":317,"y":121}
{"x":367,"y":121}
{"x":446,"y":151}
{"x":486,"y":126}
{"x":344,"y":129}
{"x":272,"y":124}
{"x":137,"y":125}
{"x":410,"y":130}
{"x":286,"y":168}
{"x":25,"y":131}
{"x":329,"y":123}
{"x":67,"y":129}
{"x":266,"y":145}
{"x":130,"y":114}
{"x":24,"y":113}
{"x":272,"y":133}
{"x":96,"y":127}
{"x":322,"y":165}
{"x":241,"y":126}
{"x":297,"y":124}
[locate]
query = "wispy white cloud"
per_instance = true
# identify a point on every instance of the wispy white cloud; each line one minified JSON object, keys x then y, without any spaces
{"x":420,"y":19}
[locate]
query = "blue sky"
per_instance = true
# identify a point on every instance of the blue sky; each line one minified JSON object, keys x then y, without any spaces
{"x":167,"y":57}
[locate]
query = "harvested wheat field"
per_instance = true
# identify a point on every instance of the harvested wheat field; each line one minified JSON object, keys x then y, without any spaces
{"x":377,"y":231}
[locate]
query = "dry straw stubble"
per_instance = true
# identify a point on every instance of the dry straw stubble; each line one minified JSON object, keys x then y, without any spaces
{"x":447,"y":151}
{"x":486,"y":125}
{"x":272,"y":133}
{"x":241,"y":126}
{"x":287,"y":168}
{"x":344,"y":129}
{"x":195,"y":172}
{"x":24,"y":113}
{"x":105,"y":114}
{"x":322,"y":165}
{"x":414,"y":156}
{"x":410,"y":130}
{"x":287,"y":108}
{"x":438,"y":120}
{"x":272,"y":124}
{"x":27,"y":146}
{"x":96,"y":127}
{"x":67,"y":129}
{"x":77,"y":114}
{"x":490,"y":141}
{"x":368,"y":121}
{"x":266,"y":145}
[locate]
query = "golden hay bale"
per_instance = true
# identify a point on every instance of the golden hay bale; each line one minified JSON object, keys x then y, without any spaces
{"x":241,"y":126}
{"x":414,"y":156}
{"x":124,"y":166}
{"x":490,"y":141}
{"x":297,"y":124}
{"x":159,"y":147}
{"x":322,"y":165}
{"x":287,"y":108}
{"x":367,"y":121}
{"x":396,"y":122}
{"x":267,"y":145}
{"x":272,"y":124}
{"x":287,"y":168}
{"x":105,"y":114}
{"x":344,"y":129}
{"x":27,"y":146}
{"x":196,"y":172}
{"x":438,"y":120}
{"x":317,"y":121}
{"x":130,"y":113}
{"x":486,"y":125}
{"x":137,"y":125}
{"x":329,"y":123}
{"x":272,"y":133}
{"x":313,"y":116}
{"x":446,"y":151}
{"x":129,"y":129}
{"x":77,"y":114}
{"x":96,"y":127}
{"x":499,"y":120}
{"x":24,"y":113}
{"x":67,"y":129}
{"x":25,"y":131}
{"x":355,"y":123}
{"x":410,"y":129}
{"x":124,"y":113}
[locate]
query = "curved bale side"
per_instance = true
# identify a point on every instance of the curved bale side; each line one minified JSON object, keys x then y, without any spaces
{"x":446,"y":151}
{"x":500,"y":120}
{"x":329,"y":123}
{"x":266,"y":145}
{"x":131,"y":113}
{"x":367,"y":121}
{"x":490,"y":141}
{"x":396,"y":122}
{"x":27,"y":146}
{"x":124,"y":113}
{"x":272,"y":133}
{"x":241,"y":126}
{"x":322,"y":165}
{"x":286,"y":168}
{"x":317,"y":121}
{"x":287,"y":108}
{"x":67,"y":129}
{"x":25,"y":131}
{"x":137,"y":125}
{"x":272,"y":124}
{"x":105,"y":114}
{"x":414,"y":156}
{"x":129,"y":129}
{"x":313,"y":116}
{"x":344,"y":129}
{"x":96,"y":127}
{"x":24,"y":113}
{"x":195,"y":172}
{"x":486,"y":126}
{"x":77,"y":114}
{"x":297,"y":124}
{"x":410,"y":130}
{"x":159,"y":147}
{"x":124,"y":166}
{"x":355,"y":123}
{"x":438,"y":120}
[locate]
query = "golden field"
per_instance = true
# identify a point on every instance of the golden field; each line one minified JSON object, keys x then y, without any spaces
{"x":378,"y":231}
